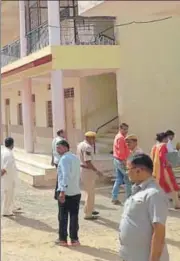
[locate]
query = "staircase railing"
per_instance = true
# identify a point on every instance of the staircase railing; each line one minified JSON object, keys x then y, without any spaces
{"x":102,"y":126}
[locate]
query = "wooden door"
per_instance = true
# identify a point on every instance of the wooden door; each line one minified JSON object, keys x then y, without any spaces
{"x":7,"y":117}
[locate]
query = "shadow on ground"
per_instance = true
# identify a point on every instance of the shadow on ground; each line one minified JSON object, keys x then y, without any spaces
{"x":103,"y":253}
{"x":33,"y":223}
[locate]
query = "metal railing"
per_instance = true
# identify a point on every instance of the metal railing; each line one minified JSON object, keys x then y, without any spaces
{"x":88,"y":31}
{"x":37,"y":38}
{"x":102,"y":126}
{"x":74,"y":31}
{"x":10,"y":53}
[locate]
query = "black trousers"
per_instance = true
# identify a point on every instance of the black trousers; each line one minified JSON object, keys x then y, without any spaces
{"x":69,"y":209}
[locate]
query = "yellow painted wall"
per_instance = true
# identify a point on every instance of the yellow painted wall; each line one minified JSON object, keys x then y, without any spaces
{"x":98,"y":100}
{"x":149,"y":79}
{"x":85,"y":57}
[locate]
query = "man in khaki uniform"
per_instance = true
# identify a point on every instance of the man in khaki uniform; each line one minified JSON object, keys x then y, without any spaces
{"x":88,"y":173}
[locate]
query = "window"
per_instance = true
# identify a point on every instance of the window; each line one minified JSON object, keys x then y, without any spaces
{"x":19,"y":114}
{"x":49,"y":114}
{"x":69,"y":93}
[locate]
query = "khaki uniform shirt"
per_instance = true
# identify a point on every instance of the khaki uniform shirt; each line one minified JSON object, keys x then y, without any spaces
{"x":84,"y":152}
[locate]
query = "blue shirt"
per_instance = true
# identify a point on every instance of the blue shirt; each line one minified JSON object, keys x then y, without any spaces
{"x":69,"y":174}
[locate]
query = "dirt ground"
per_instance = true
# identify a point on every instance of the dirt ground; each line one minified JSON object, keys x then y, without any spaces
{"x":30,"y":235}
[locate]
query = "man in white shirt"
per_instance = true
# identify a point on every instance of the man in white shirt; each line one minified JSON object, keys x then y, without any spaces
{"x":170,"y":135}
{"x":55,"y":155}
{"x":8,"y":178}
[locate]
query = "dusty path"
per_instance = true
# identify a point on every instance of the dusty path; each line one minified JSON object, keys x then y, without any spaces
{"x":30,"y":236}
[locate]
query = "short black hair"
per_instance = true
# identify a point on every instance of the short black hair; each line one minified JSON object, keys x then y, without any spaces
{"x":142,"y":160}
{"x":122,"y":125}
{"x":161,"y":136}
{"x":170,"y":133}
{"x":9,"y":142}
{"x":59,"y":132}
{"x":63,"y":143}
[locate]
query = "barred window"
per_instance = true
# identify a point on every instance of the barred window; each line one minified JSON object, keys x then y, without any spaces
{"x":69,"y":93}
{"x":19,"y":114}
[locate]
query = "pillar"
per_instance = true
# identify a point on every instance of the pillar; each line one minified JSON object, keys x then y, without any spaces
{"x":57,"y":90}
{"x":58,"y":109}
{"x":119,"y":87}
{"x":27,"y":114}
{"x":54,"y":22}
{"x":22,"y":25}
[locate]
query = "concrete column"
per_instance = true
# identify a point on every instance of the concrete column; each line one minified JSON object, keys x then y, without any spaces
{"x":58,"y":109}
{"x":54,"y":22}
{"x":119,"y":86}
{"x":27,"y":116}
{"x":22,"y":24}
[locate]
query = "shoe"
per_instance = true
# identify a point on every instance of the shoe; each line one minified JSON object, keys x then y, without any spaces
{"x":116,"y":202}
{"x":75,"y":243}
{"x":61,"y":243}
{"x":91,"y":218}
{"x":95,"y":213}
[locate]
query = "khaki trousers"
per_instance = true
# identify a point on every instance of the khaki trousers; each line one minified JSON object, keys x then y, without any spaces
{"x":88,"y":178}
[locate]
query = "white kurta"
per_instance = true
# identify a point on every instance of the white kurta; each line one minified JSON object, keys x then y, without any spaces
{"x":8,"y":181}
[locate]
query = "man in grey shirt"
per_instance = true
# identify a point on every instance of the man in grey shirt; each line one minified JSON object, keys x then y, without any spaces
{"x":142,"y":227}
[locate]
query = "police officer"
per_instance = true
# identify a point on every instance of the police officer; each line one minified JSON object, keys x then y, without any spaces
{"x":88,"y":173}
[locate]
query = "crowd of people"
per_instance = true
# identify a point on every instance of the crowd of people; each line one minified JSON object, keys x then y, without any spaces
{"x":146,"y":179}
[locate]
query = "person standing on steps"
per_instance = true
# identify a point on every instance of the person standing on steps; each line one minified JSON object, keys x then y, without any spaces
{"x":55,"y":155}
{"x":88,"y":173}
{"x":68,"y":194}
{"x":120,"y":154}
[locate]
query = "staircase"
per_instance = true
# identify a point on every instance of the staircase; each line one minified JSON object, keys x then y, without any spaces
{"x":35,"y":169}
{"x":104,"y":141}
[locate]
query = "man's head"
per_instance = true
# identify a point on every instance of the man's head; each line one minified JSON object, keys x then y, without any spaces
{"x":131,"y":141}
{"x":61,"y":133}
{"x":62,"y":147}
{"x":9,"y":143}
{"x":90,"y":137}
{"x":123,"y":128}
{"x":170,"y":134}
{"x":139,"y":167}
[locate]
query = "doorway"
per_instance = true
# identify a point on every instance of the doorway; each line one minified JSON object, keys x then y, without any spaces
{"x":7,"y":117}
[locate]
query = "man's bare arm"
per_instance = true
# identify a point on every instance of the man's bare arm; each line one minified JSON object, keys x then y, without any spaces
{"x":157,"y":242}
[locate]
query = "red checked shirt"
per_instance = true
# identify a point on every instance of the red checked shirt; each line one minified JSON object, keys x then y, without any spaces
{"x":120,"y":149}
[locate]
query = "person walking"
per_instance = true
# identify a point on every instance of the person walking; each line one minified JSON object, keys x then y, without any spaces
{"x":143,"y":223}
{"x":132,"y":144}
{"x":163,"y":171}
{"x":8,"y":179}
{"x":69,"y":195}
{"x":55,"y":155}
{"x":170,"y":135}
{"x":88,"y":173}
{"x":120,"y":154}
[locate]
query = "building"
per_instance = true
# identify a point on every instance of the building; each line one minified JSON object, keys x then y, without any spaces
{"x":83,"y":65}
{"x":55,"y":67}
